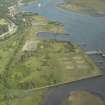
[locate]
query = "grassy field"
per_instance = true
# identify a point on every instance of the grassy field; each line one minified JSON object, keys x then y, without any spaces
{"x":51,"y":63}
{"x":3,"y":22}
{"x":86,"y":7}
{"x":28,"y":62}
{"x":24,"y":97}
{"x":11,"y":49}
{"x":39,"y":63}
{"x":84,"y":98}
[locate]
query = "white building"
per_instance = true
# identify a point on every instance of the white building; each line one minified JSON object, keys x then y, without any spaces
{"x":12,"y":11}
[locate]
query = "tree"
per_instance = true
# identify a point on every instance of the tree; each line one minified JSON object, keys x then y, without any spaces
{"x":4,"y":4}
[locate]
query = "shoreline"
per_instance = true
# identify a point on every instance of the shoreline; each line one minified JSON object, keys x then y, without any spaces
{"x":63,"y":7}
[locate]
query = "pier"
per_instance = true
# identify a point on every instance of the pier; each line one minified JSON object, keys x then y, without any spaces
{"x":100,"y":52}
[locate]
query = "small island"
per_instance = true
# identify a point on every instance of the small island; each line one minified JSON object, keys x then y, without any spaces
{"x":84,"y":98}
{"x":30,"y":64}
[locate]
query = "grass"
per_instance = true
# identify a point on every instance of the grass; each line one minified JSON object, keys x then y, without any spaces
{"x":84,"y":98}
{"x":33,"y":99}
{"x":87,"y":7}
{"x":51,"y":63}
{"x":3,"y":22}
{"x":25,"y":98}
{"x":38,"y":63}
{"x":21,"y":70}
{"x":10,"y":50}
{"x":28,"y":62}
{"x":7,"y":49}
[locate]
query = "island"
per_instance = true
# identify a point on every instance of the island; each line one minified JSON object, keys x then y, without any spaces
{"x":85,"y":7}
{"x":83,"y":97}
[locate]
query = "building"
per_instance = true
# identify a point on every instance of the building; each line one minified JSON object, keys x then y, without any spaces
{"x":12,"y":11}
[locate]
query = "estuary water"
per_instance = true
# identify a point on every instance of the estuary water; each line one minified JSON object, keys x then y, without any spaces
{"x":87,"y":31}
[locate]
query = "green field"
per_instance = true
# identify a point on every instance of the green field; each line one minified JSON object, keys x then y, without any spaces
{"x":50,"y":63}
{"x":83,"y":98}
{"x":39,"y":63}
{"x":86,"y":7}
{"x":23,"y":97}
{"x":11,"y":49}
{"x":28,"y":63}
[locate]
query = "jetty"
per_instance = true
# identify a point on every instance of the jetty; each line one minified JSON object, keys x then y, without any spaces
{"x":97,"y":52}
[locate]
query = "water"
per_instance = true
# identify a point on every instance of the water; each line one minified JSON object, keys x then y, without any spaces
{"x":89,"y":32}
{"x":86,"y":30}
{"x":52,"y":36}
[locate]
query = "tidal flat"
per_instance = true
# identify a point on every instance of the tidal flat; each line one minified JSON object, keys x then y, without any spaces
{"x":82,"y":97}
